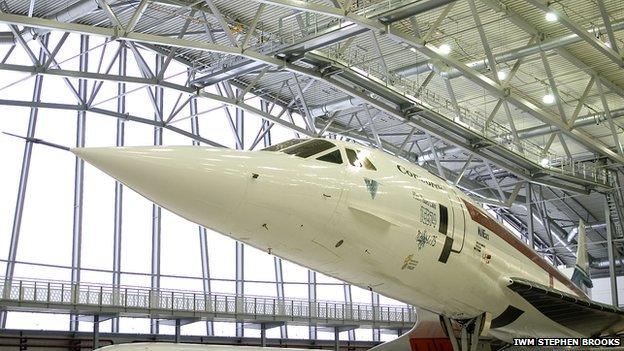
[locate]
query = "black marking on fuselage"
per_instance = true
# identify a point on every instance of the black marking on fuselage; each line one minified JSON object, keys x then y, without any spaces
{"x":443,"y":219}
{"x":446,"y":250}
{"x":509,"y":315}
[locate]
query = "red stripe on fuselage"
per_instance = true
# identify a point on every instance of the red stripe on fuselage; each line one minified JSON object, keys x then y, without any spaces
{"x":478,"y":216}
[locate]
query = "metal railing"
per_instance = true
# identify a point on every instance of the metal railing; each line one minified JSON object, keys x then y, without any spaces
{"x":86,"y":298}
{"x":290,"y":32}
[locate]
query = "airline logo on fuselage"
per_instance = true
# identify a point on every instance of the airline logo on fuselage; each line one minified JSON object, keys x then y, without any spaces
{"x":415,"y":176}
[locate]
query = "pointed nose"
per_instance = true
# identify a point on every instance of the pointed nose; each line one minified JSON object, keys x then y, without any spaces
{"x":203,"y":185}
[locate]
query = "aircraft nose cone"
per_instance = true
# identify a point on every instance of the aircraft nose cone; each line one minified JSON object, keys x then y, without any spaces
{"x":203,"y":185}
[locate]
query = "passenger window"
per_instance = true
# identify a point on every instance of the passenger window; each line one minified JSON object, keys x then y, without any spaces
{"x":358,"y":160}
{"x":310,"y":148}
{"x":332,"y":157}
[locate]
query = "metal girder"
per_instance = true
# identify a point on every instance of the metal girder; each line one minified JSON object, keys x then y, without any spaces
{"x":22,"y":186}
{"x":203,"y":233}
{"x":136,"y":16}
{"x":581,"y":32}
{"x":410,"y":9}
{"x":607,"y":22}
{"x":449,"y":131}
{"x":79,"y":176}
{"x":118,"y":207}
{"x":153,"y":82}
{"x":526,"y":105}
{"x":611,"y":255}
{"x":312,"y":300}
{"x":156,"y":220}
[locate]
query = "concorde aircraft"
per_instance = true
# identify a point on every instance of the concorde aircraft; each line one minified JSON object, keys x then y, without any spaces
{"x":373,"y":220}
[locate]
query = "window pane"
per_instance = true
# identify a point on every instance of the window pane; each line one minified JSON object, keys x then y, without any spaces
{"x":333,"y":157}
{"x":310,"y":148}
{"x":283,"y":145}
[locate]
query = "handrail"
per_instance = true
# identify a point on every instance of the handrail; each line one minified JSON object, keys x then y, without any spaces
{"x":76,"y":297}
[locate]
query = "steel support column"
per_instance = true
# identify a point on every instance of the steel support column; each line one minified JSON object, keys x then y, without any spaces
{"x":79,"y":175}
{"x":529,"y":220}
{"x":348,"y":301}
{"x":611,"y":255}
{"x":312,"y":301}
{"x":375,"y":306}
{"x":240,"y":283}
{"x":23,"y":182}
{"x":120,"y":138}
{"x":203,"y":238}
{"x":96,"y":331}
{"x":279,"y":285}
{"x":156,"y":210}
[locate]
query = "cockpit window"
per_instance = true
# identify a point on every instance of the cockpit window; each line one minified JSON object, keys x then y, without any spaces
{"x":357,"y":159}
{"x":332,"y":157}
{"x":283,"y":145}
{"x":309,"y":148}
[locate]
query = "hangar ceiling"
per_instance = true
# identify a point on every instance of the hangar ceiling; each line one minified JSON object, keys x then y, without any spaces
{"x":492,"y":95}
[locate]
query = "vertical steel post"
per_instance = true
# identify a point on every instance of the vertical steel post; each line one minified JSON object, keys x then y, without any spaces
{"x":21,"y":189}
{"x":611,"y":255}
{"x":277,"y":262}
{"x":279,"y":286}
{"x":529,"y":220}
{"x":312,"y":301}
{"x":120,"y":138}
{"x":240,"y":247}
{"x":79,"y":176}
{"x":156,"y":210}
{"x":348,"y":300}
{"x":375,"y":305}
{"x":265,"y":124}
{"x":240,"y":283}
{"x":96,"y":331}
{"x":263,"y":334}
{"x":203,"y":239}
{"x":178,"y":327}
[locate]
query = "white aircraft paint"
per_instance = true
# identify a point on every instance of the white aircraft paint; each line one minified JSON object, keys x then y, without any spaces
{"x":380,"y":229}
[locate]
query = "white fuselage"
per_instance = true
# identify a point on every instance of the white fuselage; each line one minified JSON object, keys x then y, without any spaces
{"x":379,"y":229}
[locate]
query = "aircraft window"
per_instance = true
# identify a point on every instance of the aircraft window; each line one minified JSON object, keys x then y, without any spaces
{"x":310,"y":148}
{"x":281,"y":146}
{"x":333,"y":157}
{"x":358,"y":160}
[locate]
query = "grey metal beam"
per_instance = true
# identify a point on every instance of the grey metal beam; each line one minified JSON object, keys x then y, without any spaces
{"x":614,"y":132}
{"x":156,"y":210}
{"x":348,"y":302}
{"x":611,"y":256}
{"x":529,"y":209}
{"x":203,"y":234}
{"x":136,"y":16}
{"x":375,"y":305}
{"x":79,"y":176}
{"x":22,"y":186}
{"x":607,"y":21}
{"x":279,"y":286}
{"x":410,"y":9}
{"x":126,"y":117}
{"x":312,"y":332}
{"x":581,"y":32}
{"x":239,"y":258}
{"x":118,"y":207}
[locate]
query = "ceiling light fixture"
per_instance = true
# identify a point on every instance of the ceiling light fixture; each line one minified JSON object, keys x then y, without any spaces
{"x":551,"y":16}
{"x":548,"y":99}
{"x":444,"y":49}
{"x":502,"y":75}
